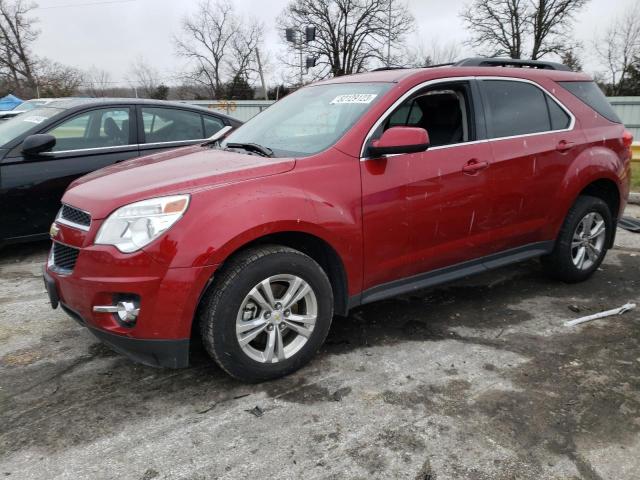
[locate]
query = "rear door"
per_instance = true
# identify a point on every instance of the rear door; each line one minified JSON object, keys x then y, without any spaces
{"x":162,"y":128}
{"x":533,"y":141}
{"x":85,"y":141}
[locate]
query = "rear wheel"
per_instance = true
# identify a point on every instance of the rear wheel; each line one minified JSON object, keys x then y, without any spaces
{"x":583,"y":241}
{"x":267,"y":314}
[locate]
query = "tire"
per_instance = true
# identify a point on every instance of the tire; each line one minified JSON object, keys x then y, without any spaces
{"x":232,"y":304}
{"x":561,"y":262}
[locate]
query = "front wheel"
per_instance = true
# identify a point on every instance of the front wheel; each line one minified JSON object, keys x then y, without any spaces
{"x":267,"y":314}
{"x":582,"y":242}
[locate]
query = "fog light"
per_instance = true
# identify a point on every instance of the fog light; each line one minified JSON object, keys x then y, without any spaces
{"x":127,"y":311}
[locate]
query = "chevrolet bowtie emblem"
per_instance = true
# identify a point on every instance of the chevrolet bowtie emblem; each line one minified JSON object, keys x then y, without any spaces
{"x":53,"y":231}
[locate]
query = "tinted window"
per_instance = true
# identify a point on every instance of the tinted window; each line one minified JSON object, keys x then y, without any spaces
{"x":171,"y":125}
{"x":108,"y":127}
{"x":211,"y":125}
{"x":515,"y":108}
{"x":559,"y":118}
{"x":591,"y":94}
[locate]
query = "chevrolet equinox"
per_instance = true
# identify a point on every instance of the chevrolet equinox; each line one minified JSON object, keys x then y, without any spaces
{"x":348,"y":191}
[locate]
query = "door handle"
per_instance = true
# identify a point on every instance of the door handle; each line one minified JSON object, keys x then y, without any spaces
{"x":563,"y":146}
{"x":474,"y":166}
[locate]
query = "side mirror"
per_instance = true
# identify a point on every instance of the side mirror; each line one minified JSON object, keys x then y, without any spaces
{"x":399,"y":140}
{"x":36,"y":144}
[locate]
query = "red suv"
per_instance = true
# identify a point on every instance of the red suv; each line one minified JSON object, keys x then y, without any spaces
{"x":346,"y":192}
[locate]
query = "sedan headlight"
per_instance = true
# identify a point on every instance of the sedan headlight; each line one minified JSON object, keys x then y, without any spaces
{"x":136,"y":225}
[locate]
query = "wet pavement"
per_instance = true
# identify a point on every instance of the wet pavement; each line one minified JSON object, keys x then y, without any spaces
{"x":479,"y":379}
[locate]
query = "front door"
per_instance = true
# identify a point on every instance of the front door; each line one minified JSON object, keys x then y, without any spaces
{"x":423,"y":211}
{"x":33,"y":186}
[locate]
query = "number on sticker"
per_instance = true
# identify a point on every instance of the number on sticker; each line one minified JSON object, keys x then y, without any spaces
{"x":354,"y":98}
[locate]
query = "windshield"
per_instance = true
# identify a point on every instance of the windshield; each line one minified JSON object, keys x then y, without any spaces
{"x":16,"y":126}
{"x":32,"y":104}
{"x":309,"y":120}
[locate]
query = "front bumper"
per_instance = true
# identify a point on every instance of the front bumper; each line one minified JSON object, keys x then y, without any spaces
{"x":155,"y":353}
{"x":168,"y":301}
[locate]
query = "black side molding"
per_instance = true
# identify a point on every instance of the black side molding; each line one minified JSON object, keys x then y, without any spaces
{"x":454,"y":272}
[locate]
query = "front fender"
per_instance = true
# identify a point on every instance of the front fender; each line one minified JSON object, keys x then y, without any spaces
{"x":222,"y":220}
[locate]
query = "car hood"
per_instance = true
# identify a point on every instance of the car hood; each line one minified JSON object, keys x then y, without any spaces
{"x":185,"y":170}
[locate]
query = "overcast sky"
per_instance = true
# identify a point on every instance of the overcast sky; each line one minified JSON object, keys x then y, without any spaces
{"x":111,"y":35}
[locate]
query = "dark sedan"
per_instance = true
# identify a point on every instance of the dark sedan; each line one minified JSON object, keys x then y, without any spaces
{"x":43,"y":150}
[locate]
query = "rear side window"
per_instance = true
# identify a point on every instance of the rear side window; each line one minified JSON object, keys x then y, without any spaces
{"x":171,"y":125}
{"x":591,"y":94}
{"x":519,"y":108}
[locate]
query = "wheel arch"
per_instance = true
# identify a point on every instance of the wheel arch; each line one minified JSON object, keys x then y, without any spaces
{"x":310,"y":244}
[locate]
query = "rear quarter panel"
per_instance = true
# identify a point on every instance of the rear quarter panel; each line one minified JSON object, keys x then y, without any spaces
{"x":601,"y":156}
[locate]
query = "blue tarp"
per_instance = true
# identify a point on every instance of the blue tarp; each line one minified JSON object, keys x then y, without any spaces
{"x":9,"y":102}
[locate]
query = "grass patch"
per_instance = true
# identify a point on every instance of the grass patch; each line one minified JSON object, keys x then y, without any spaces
{"x":635,"y":176}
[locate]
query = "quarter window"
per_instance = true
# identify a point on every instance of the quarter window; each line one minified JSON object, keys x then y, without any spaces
{"x":94,"y":129}
{"x":559,"y":118}
{"x":211,"y":125}
{"x":171,"y":125}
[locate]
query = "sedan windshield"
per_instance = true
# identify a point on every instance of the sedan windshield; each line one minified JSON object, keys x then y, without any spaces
{"x":309,"y":120}
{"x":16,"y":126}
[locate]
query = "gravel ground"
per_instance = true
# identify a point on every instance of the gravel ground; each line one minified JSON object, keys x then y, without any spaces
{"x":479,"y":379}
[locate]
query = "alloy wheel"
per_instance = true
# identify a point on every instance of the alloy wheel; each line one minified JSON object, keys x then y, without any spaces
{"x":276,"y":318}
{"x":588,"y":241}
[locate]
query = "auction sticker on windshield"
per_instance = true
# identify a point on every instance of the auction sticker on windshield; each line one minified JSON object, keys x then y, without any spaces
{"x":354,"y":98}
{"x":35,"y":119}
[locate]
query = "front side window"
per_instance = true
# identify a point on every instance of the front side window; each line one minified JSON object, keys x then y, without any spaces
{"x":107,"y":127}
{"x":309,"y":120}
{"x":171,"y":125}
{"x":443,"y":112}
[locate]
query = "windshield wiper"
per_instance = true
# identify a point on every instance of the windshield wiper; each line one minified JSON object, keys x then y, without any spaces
{"x":252,"y":147}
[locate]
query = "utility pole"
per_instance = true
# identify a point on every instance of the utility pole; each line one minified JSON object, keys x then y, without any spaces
{"x":389,"y":37}
{"x":264,"y":85}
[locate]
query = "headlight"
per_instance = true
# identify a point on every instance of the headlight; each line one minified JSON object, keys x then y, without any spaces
{"x":136,"y":225}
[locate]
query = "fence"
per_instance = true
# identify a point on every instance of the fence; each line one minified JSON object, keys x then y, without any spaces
{"x":243,"y":110}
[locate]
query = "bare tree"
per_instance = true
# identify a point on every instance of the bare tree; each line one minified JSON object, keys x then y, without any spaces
{"x":144,"y":78}
{"x":519,"y":28}
{"x":98,"y":82}
{"x":58,"y":80}
{"x":351,"y":35}
{"x":619,"y":49}
{"x":242,"y":61}
{"x":434,"y":53}
{"x":17,"y":34}
{"x":206,"y":41}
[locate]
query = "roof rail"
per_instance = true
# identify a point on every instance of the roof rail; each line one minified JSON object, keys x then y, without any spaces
{"x":510,"y":62}
{"x":381,"y":69}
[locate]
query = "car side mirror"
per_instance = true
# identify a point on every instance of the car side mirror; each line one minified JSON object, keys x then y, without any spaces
{"x":399,"y":140}
{"x":36,"y":144}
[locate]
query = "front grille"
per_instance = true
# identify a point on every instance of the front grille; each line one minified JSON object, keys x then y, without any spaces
{"x":75,"y":216}
{"x":64,"y":257}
